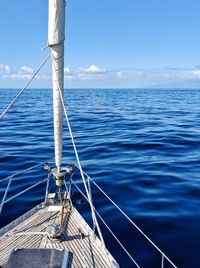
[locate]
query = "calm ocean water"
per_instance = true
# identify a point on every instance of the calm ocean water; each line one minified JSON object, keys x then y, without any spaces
{"x":141,"y":146}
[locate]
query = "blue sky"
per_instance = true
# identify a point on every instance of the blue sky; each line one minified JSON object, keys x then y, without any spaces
{"x":109,"y":43}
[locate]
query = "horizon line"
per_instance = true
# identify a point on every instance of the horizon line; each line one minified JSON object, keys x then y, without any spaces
{"x":84,"y":88}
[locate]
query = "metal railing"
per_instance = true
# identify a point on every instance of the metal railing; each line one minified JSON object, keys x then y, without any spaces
{"x":164,"y":258}
{"x":11,"y":178}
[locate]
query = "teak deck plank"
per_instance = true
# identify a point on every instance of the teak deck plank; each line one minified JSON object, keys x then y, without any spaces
{"x":32,"y":233}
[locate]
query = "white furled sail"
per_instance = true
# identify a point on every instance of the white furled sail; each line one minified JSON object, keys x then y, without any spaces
{"x":56,"y":37}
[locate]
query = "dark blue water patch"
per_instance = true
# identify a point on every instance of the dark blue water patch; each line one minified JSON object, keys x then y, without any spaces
{"x":142,"y":146}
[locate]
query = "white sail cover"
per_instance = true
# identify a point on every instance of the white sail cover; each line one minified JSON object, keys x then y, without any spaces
{"x":56,"y":33}
{"x":56,"y":37}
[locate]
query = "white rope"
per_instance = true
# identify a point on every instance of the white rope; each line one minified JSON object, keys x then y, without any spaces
{"x":79,"y":164}
{"x":117,"y":240}
{"x":26,"y":233}
{"x":108,"y":227}
{"x":134,"y":224}
{"x":162,"y":262}
{"x":93,"y":210}
{"x":21,"y":91}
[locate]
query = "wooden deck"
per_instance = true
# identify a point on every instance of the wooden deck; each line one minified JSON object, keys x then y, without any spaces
{"x":30,"y":231}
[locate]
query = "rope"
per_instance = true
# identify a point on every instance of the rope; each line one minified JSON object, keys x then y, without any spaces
{"x":95,"y":222}
{"x":26,"y":233}
{"x":162,"y":262}
{"x":134,"y":224}
{"x":108,"y":227}
{"x":118,"y":240}
{"x":93,"y":210}
{"x":22,"y":90}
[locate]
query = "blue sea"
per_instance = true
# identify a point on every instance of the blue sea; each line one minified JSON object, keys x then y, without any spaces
{"x":142,"y":146}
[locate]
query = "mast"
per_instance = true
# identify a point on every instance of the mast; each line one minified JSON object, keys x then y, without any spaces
{"x":56,"y":37}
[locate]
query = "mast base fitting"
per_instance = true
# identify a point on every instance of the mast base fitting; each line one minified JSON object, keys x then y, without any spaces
{"x":59,"y":176}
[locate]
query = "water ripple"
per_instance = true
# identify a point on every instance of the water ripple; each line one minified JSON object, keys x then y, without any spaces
{"x":141,"y":146}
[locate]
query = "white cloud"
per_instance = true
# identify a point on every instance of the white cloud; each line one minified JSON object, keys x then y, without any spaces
{"x":165,"y":73}
{"x":84,"y":77}
{"x":67,"y":71}
{"x":120,"y":75}
{"x":17,"y":76}
{"x":81,"y":73}
{"x":196,"y":73}
{"x":181,"y":73}
{"x":94,"y":73}
{"x":22,"y":73}
{"x":25,"y":70}
{"x":6,"y":68}
{"x":84,"y":73}
{"x":132,"y":74}
{"x":69,"y":74}
{"x":92,"y":69}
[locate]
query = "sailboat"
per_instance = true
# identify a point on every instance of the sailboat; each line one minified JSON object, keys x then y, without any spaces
{"x":54,"y":234}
